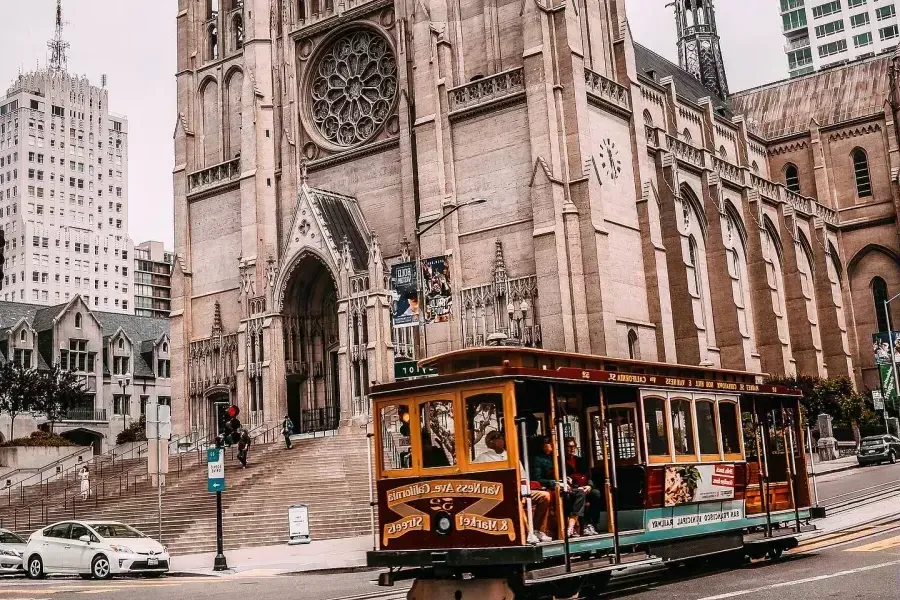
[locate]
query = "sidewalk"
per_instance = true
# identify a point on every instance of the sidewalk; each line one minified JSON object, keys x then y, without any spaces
{"x":834,"y":466}
{"x":344,"y":553}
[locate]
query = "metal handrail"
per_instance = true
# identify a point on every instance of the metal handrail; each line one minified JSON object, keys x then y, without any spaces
{"x":44,"y":485}
{"x":48,"y":465}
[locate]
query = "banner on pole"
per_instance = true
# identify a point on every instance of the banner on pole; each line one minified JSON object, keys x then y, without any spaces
{"x":888,"y":388}
{"x":405,"y":293}
{"x":437,"y":288}
{"x":886,"y":345}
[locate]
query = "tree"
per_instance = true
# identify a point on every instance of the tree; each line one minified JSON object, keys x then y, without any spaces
{"x":21,"y":390}
{"x":62,"y":390}
{"x":820,"y":395}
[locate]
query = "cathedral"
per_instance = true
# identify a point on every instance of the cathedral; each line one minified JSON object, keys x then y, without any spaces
{"x":552,"y":182}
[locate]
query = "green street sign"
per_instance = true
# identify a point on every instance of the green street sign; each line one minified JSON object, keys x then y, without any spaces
{"x":410,"y":368}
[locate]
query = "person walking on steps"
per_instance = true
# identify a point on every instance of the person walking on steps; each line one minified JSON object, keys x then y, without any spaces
{"x":243,"y":447}
{"x":287,"y":430}
{"x":84,"y":476}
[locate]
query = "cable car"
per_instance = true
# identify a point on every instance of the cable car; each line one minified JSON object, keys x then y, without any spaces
{"x":538,"y":473}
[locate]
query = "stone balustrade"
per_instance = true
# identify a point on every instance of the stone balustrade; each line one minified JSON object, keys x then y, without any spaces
{"x":727,"y":171}
{"x":214,"y":176}
{"x":606,"y":89}
{"x":685,"y":152}
{"x":487,"y":89}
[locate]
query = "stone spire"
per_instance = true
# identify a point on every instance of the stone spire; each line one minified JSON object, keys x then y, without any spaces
{"x":58,"y":45}
{"x":699,"y":50}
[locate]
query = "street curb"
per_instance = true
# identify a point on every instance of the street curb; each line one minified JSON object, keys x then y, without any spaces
{"x":839,"y":470}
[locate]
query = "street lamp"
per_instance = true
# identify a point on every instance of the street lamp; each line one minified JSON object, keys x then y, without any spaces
{"x":124,"y":382}
{"x":419,"y":233}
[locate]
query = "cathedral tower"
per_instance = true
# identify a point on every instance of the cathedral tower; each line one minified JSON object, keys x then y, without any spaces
{"x":699,"y":51}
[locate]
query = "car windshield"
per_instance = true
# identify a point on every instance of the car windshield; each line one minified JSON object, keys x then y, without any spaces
{"x":8,"y":537}
{"x":117,"y":530}
{"x":872,"y":442}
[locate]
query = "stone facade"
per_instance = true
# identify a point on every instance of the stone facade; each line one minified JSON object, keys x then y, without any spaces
{"x":123,"y":361}
{"x":627,"y":210}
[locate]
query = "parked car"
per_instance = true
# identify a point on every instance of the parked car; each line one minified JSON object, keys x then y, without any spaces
{"x":11,"y":547}
{"x":877,"y":449}
{"x":93,"y":549}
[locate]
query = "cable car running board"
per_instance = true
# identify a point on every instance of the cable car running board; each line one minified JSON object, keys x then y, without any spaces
{"x":581,"y":568}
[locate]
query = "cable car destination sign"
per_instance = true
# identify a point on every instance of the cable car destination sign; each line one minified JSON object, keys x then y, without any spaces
{"x":677,"y":382}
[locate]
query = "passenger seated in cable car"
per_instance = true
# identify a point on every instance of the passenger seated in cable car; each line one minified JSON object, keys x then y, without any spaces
{"x":579,"y":479}
{"x":573,"y":497}
{"x":496,"y":451}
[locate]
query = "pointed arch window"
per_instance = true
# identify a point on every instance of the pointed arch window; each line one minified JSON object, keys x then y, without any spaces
{"x":78,"y":320}
{"x":880,"y":296}
{"x":212,"y":42}
{"x":686,"y":135}
{"x":723,"y":153}
{"x":792,"y":178}
{"x":755,"y":167}
{"x":648,"y":118}
{"x":861,"y":173}
{"x":22,"y":336}
{"x":634,"y":350}
{"x":237,"y":27}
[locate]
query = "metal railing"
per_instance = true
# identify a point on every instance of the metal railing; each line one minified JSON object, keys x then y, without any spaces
{"x":316,"y":420}
{"x":48,"y":467}
{"x":85,"y":414}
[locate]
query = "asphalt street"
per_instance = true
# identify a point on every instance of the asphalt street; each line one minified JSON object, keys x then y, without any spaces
{"x":855,"y":481}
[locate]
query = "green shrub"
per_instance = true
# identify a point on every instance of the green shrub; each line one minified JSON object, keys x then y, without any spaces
{"x":39,"y":439}
{"x":136,"y":432}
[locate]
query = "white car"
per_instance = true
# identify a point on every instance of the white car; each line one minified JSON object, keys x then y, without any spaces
{"x":11,"y":548}
{"x":98,"y":549}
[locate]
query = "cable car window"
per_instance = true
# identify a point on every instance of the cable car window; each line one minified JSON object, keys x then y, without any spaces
{"x":774,"y":432}
{"x":751,"y":443}
{"x":395,"y":444}
{"x":438,"y":434}
{"x":655,"y":425}
{"x":682,"y":427}
{"x":707,"y":433}
{"x":622,"y":419}
{"x":484,"y":419}
{"x":728,"y":418}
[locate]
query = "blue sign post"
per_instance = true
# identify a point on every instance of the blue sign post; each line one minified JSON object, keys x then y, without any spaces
{"x":215,"y":482}
{"x":215,"y":463}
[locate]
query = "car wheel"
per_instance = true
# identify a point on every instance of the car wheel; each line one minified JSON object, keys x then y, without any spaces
{"x":100,"y":567}
{"x":35,"y":568}
{"x":892,"y":458}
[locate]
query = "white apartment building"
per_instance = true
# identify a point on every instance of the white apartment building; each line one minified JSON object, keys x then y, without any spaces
{"x":64,"y":194}
{"x":823,"y":33}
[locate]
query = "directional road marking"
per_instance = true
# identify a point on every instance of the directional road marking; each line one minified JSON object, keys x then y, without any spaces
{"x":880,"y":545}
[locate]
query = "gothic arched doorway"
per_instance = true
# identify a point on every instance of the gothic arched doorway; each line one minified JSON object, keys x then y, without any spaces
{"x":311,"y":344}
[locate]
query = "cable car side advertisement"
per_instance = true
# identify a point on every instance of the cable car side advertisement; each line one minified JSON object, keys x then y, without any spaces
{"x":698,"y":483}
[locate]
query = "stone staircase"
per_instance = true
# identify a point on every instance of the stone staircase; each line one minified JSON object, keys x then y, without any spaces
{"x":329,"y":474}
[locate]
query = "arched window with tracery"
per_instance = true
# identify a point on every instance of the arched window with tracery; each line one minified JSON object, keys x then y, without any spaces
{"x":648,"y":118}
{"x":861,"y":173}
{"x":686,"y":135}
{"x":792,"y":178}
{"x":773,"y":257}
{"x":693,"y":235}
{"x":879,"y":297}
{"x":723,"y":153}
{"x":734,"y":238}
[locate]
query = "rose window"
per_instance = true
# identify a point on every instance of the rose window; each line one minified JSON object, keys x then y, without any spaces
{"x":354,"y":86}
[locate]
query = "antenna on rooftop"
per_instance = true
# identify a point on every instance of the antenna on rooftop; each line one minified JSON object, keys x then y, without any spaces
{"x":58,"y":45}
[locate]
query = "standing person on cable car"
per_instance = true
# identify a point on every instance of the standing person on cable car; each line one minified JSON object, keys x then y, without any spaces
{"x":578,"y":475}
{"x":573,"y":497}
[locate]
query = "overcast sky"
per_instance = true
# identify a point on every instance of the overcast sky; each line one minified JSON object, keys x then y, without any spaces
{"x":133,"y":42}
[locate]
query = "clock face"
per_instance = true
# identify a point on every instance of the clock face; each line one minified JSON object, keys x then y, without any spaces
{"x":609,"y":159}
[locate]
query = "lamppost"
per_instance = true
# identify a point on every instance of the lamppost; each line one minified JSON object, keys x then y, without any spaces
{"x":421,"y":289}
{"x":517,"y":317}
{"x":891,"y":341}
{"x":124,"y":382}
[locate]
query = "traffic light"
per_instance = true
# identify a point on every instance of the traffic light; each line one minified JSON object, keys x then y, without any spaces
{"x":233,"y":425}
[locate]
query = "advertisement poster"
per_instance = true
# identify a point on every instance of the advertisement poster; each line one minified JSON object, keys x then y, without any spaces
{"x":438,"y":292}
{"x":885,"y":345}
{"x":698,"y":483}
{"x":404,"y":289}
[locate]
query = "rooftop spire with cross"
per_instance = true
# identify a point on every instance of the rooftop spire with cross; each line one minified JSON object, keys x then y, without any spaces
{"x":58,"y":45}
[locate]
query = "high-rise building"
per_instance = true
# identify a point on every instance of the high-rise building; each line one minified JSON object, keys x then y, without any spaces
{"x":152,"y":280}
{"x":821,"y":33}
{"x":64,"y":186}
